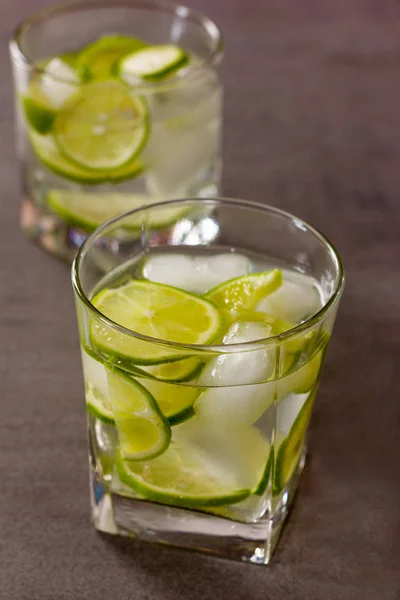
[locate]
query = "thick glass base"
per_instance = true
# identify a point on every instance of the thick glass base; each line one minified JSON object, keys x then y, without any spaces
{"x":189,"y":529}
{"x":62,"y":240}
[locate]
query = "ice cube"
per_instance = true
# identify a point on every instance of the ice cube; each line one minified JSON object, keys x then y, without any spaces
{"x":184,"y":140}
{"x":59,"y":82}
{"x":196,"y":274}
{"x":95,"y":375}
{"x":235,"y":394}
{"x":296,"y":299}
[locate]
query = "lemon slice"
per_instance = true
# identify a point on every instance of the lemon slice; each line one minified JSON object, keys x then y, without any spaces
{"x":154,"y":310}
{"x":244,"y":293}
{"x":143,"y":432}
{"x":104,"y":128}
{"x":152,"y":63}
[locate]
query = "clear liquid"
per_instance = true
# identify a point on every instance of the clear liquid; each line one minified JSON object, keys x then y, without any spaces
{"x":248,"y":425}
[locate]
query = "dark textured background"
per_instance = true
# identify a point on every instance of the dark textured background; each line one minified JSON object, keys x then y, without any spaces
{"x":312,"y":125}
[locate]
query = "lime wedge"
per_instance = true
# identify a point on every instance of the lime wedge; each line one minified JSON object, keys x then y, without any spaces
{"x":175,"y":401}
{"x":97,"y":60}
{"x":87,"y":210}
{"x":143,"y":432}
{"x":152,"y":63}
{"x":202,"y":467}
{"x":48,"y":153}
{"x":104,"y":129}
{"x":154,"y":310}
{"x":294,"y":414}
{"x":244,"y":293}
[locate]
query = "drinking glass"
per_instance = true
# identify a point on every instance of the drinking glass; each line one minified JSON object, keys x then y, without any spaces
{"x":94,"y":140}
{"x":229,"y":447}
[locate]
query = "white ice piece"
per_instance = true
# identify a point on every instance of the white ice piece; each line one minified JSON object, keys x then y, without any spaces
{"x":95,"y":375}
{"x":296,"y":299}
{"x":195,"y":273}
{"x":234,"y":395}
{"x":185,"y":135}
{"x":59,"y":82}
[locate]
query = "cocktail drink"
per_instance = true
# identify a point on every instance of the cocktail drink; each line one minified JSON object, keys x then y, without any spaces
{"x":118,"y":105}
{"x":203,"y":335}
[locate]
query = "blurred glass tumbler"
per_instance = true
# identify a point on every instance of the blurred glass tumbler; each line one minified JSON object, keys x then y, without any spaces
{"x":118,"y":104}
{"x":203,"y":325}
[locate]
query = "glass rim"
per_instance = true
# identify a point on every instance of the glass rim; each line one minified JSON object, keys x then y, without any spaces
{"x":212,"y":348}
{"x":178,"y":10}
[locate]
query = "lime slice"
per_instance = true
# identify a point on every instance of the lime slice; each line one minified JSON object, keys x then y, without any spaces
{"x":179,"y":370}
{"x":262,"y":486}
{"x":143,"y":432}
{"x":152,"y":63}
{"x":244,"y":293}
{"x":98,"y":400}
{"x":294,"y":414}
{"x":104,"y":129}
{"x":175,"y":401}
{"x":154,"y":310}
{"x":48,"y":92}
{"x":87,"y":210}
{"x":48,"y":153}
{"x":38,"y":112}
{"x":97,"y":60}
{"x":99,"y":405}
{"x":202,"y":467}
{"x":302,"y":379}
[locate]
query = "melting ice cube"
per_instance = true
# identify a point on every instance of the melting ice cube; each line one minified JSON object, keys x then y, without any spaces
{"x":196,"y":274}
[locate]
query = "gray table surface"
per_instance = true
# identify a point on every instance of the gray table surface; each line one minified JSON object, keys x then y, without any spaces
{"x":312,"y":125}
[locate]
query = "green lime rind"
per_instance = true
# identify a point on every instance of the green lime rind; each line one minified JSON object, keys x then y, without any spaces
{"x":289,"y":451}
{"x":103,"y":128}
{"x":48,"y":153}
{"x":124,"y":350}
{"x":98,"y":59}
{"x":262,"y":486}
{"x":133,"y":407}
{"x":100,"y":412}
{"x":246,"y":291}
{"x":181,"y":416}
{"x":175,"y":371}
{"x":174,"y":400}
{"x":152,"y":63}
{"x":39,"y":115}
{"x":135,"y":480}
